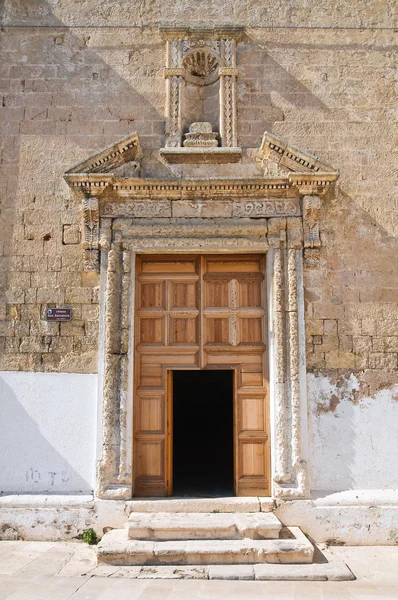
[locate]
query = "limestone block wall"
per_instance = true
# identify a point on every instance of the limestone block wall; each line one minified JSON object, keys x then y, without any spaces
{"x":77,"y":76}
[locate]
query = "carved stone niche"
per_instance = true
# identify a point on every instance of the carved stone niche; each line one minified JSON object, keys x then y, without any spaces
{"x":124,"y":216}
{"x":200,"y":57}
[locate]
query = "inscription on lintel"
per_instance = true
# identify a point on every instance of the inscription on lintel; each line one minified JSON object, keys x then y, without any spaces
{"x":202,"y":208}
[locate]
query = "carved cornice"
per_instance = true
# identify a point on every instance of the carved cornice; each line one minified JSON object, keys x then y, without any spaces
{"x":274,"y":149}
{"x":107,"y":160}
{"x":303,"y":184}
{"x":313,"y":183}
{"x":179,"y":188}
{"x":105,"y":194}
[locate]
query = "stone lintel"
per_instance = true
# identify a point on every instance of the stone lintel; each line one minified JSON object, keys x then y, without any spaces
{"x":253,"y":208}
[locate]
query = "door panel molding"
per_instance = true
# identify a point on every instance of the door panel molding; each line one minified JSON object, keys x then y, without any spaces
{"x":198,"y":305}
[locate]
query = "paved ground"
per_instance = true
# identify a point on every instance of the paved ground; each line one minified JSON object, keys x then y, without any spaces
{"x":65,"y":570}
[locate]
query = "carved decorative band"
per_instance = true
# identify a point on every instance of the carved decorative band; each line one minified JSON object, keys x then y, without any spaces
{"x":173,"y":72}
{"x":228,"y":71}
{"x":267,"y":208}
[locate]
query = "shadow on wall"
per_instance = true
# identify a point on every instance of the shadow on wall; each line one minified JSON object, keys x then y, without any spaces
{"x":29,"y":463}
{"x":262,"y":80}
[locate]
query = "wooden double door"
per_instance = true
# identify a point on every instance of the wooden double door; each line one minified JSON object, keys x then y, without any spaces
{"x":200,"y":312}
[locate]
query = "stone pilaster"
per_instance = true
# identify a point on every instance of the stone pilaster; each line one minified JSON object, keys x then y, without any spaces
{"x":174,"y":85}
{"x":312,"y":241}
{"x":90,"y":205}
{"x":290,"y":472}
{"x":114,"y":468}
{"x":228,"y":75}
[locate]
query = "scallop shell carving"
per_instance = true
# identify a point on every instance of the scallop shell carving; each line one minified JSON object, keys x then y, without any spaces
{"x":201,"y":67}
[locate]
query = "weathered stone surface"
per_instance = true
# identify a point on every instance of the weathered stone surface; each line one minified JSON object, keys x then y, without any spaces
{"x":266,"y":208}
{"x":117,"y":549}
{"x":55,"y":112}
{"x":244,"y":572}
{"x":191,"y":526}
{"x":196,"y":505}
{"x":204,"y":209}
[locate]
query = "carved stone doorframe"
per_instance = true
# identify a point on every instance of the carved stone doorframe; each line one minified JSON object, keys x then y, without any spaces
{"x":283,"y":245}
{"x":278,"y":216}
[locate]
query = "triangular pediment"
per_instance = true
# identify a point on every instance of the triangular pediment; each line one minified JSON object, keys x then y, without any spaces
{"x":289,"y":158}
{"x":111,"y":158}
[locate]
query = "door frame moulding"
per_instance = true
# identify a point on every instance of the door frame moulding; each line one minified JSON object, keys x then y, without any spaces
{"x":279,"y":216}
{"x":283,"y":246}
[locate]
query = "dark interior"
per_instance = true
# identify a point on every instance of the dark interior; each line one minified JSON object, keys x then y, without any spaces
{"x":203,"y":463}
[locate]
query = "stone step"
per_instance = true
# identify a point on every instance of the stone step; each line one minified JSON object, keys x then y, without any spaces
{"x":202,"y":526}
{"x":116,"y":548}
{"x":250,"y":504}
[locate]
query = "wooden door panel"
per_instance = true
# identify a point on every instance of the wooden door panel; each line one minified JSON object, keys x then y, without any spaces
{"x":200,"y":312}
{"x":152,"y":295}
{"x":150,"y":413}
{"x":251,"y":414}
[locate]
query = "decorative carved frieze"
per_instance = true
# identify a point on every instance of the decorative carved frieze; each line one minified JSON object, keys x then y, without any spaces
{"x":91,"y":220}
{"x":228,"y":114}
{"x":312,"y":241}
{"x":137,"y":209}
{"x":202,"y":188}
{"x":197,"y":229}
{"x":228,"y":72}
{"x":266,"y":208}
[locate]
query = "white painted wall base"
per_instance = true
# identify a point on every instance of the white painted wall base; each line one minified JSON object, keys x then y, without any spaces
{"x":56,"y":518}
{"x":352,"y":518}
{"x":354,"y":438}
{"x":47,"y":432}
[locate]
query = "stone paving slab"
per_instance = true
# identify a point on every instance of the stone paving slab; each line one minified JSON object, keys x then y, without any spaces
{"x":375,"y":568}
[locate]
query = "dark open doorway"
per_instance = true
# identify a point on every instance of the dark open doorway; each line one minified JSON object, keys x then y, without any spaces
{"x":203,"y":463}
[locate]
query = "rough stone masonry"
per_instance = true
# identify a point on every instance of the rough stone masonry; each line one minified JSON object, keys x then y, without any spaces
{"x":77,"y":76}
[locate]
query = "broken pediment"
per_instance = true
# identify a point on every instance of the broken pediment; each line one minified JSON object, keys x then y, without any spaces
{"x":111,"y":158}
{"x":110,"y":186}
{"x":288,"y":158}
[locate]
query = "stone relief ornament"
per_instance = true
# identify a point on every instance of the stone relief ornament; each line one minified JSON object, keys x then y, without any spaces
{"x":201,"y":67}
{"x":200,"y":58}
{"x":91,"y":233}
{"x":201,"y":135}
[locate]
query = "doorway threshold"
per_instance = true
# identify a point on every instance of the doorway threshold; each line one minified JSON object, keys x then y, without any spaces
{"x":249,"y":504}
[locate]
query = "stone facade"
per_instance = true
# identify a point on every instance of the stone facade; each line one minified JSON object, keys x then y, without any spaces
{"x":322,"y":82}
